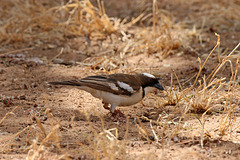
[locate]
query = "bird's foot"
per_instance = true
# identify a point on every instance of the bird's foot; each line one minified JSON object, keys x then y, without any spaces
{"x":105,"y":105}
{"x":117,"y":116}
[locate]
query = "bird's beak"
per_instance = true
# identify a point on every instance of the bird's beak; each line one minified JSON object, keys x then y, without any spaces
{"x":158,"y":86}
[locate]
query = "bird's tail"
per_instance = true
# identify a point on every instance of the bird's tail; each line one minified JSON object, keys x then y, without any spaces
{"x":71,"y":83}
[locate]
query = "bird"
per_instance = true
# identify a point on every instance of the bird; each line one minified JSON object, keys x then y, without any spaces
{"x":116,"y":89}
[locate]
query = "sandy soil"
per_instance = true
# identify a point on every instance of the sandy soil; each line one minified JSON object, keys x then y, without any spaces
{"x":82,"y":119}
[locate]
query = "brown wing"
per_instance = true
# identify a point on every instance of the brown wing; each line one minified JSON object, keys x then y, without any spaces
{"x":131,"y":80}
{"x":108,"y":83}
{"x":104,"y":82}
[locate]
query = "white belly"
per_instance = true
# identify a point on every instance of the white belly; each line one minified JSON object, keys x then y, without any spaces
{"x":115,"y":99}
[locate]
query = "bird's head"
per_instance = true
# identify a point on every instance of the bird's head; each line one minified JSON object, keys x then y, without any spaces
{"x":150,"y":82}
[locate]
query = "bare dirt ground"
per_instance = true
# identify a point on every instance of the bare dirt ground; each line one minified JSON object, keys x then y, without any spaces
{"x":196,"y":117}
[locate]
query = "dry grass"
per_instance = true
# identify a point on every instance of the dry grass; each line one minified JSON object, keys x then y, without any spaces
{"x":204,"y":97}
{"x":40,"y":21}
{"x":215,"y":14}
{"x":200,"y":96}
{"x":104,"y":143}
{"x":8,"y":114}
{"x":45,"y":24}
{"x":37,"y":23}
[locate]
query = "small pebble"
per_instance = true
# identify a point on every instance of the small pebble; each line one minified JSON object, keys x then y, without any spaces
{"x":1,"y":71}
{"x":58,"y":61}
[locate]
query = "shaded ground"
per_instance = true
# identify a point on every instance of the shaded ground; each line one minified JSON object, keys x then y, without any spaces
{"x":163,"y":130}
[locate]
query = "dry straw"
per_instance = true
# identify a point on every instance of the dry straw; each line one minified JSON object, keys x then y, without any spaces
{"x":35,"y":23}
{"x":204,"y":94}
{"x":41,"y":24}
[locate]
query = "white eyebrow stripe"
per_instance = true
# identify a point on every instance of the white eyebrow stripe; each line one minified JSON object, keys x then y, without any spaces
{"x":113,"y":86}
{"x":125,"y":86}
{"x":149,"y":75}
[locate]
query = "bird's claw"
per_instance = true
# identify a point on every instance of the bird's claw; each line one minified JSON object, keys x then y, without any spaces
{"x":117,"y":116}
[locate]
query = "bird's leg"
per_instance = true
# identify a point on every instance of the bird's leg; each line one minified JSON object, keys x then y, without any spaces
{"x":117,"y":114}
{"x":105,"y":105}
{"x":112,"y":108}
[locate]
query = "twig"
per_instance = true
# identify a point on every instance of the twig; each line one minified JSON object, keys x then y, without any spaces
{"x":11,"y":112}
{"x":39,"y":125}
{"x":154,"y":133}
{"x":234,"y":49}
{"x":17,"y":134}
{"x":61,"y":51}
{"x":177,"y":79}
{"x":18,"y":50}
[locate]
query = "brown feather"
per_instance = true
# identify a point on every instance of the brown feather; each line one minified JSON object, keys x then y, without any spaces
{"x":102,"y":82}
